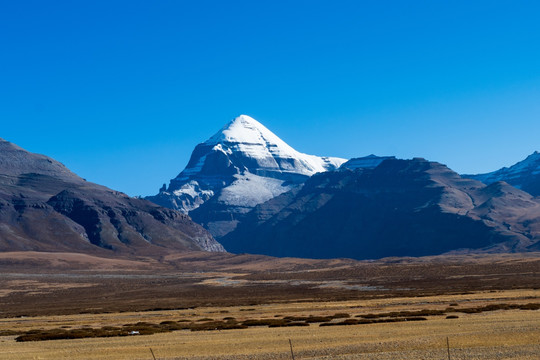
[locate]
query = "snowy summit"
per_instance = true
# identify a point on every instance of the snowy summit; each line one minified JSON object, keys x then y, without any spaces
{"x":251,"y":138}
{"x":242,"y":165}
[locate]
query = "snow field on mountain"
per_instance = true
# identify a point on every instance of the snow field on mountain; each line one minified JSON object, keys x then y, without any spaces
{"x":250,"y":190}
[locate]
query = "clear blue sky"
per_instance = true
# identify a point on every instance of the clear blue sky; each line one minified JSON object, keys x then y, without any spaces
{"x":121,"y":91}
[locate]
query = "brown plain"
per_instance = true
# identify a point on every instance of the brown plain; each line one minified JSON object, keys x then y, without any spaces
{"x":82,"y":291}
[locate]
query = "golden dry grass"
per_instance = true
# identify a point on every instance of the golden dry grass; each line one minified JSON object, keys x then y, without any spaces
{"x":510,"y":334}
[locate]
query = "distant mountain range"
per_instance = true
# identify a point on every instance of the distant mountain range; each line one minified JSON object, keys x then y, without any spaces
{"x":242,"y":165}
{"x":394,"y":208}
{"x":524,"y":175}
{"x":256,"y":194}
{"x":46,"y":207}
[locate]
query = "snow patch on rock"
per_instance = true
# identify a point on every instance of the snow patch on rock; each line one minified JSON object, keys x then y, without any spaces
{"x":249,"y":190}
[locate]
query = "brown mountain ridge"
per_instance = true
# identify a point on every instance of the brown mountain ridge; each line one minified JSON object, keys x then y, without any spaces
{"x":46,"y":207}
{"x":398,"y":208}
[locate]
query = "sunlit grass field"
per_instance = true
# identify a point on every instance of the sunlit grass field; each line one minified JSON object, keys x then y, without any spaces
{"x":500,"y":334}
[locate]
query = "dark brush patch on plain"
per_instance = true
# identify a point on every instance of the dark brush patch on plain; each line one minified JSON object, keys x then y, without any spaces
{"x":206,"y":324}
{"x":427,"y":312}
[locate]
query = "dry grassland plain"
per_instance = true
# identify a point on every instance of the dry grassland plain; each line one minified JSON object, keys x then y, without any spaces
{"x":43,"y":293}
{"x":501,"y":334}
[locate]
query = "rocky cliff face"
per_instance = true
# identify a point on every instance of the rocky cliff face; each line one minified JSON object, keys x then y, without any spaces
{"x":395,"y":208}
{"x":242,"y":165}
{"x":524,"y":175}
{"x":46,"y":207}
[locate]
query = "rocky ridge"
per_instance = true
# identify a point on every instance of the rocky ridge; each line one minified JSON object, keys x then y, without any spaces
{"x":524,"y":175}
{"x":396,"y":208}
{"x":46,"y":207}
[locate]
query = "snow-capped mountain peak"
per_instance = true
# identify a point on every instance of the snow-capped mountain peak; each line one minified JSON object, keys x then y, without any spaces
{"x":239,"y":167}
{"x":245,"y":129}
{"x":251,"y":138}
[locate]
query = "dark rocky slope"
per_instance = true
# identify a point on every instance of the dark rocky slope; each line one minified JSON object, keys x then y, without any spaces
{"x":46,"y":207}
{"x":399,"y":208}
